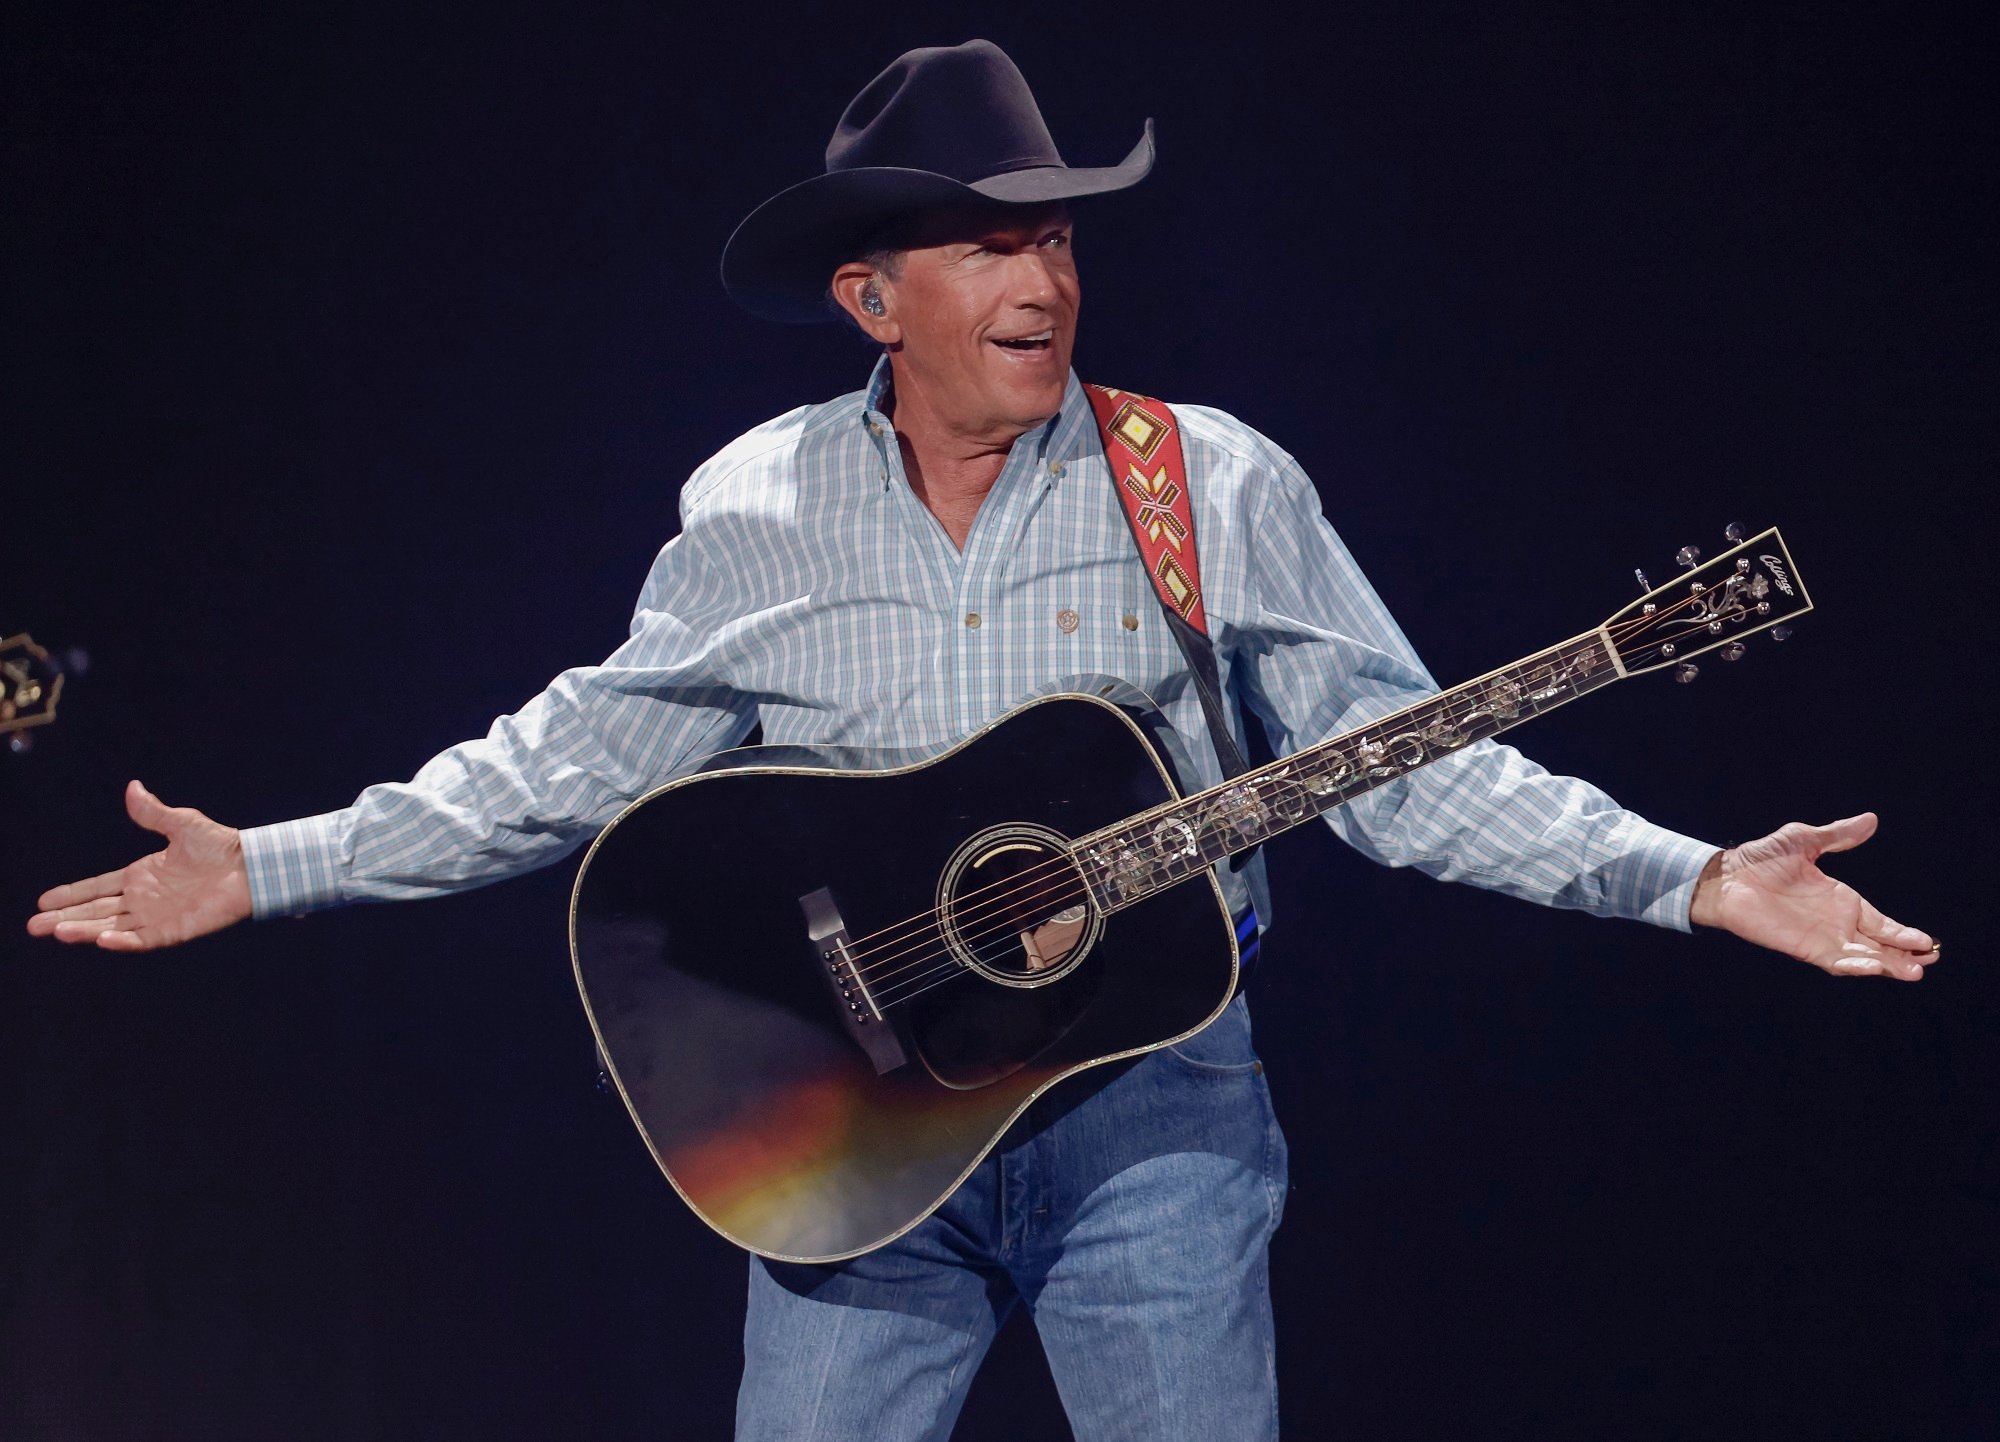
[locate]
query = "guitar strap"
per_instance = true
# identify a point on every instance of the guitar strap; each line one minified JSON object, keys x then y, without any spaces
{"x":1149,"y":471}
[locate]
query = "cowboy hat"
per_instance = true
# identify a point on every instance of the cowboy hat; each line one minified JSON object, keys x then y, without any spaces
{"x":941,"y":126}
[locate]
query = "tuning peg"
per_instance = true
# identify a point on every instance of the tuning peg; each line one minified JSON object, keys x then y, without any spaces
{"x":1734,"y":651}
{"x":1644,"y":584}
{"x":1733,"y":533}
{"x":1686,"y":672}
{"x":1687,"y":555}
{"x":1781,"y":633}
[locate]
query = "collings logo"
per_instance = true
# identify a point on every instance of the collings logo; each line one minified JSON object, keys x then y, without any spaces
{"x":1777,"y":570}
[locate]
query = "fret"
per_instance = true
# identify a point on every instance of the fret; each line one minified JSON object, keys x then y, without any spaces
{"x":1125,"y":863}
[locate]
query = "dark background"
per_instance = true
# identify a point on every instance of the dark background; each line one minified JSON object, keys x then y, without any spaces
{"x":354,"y":359}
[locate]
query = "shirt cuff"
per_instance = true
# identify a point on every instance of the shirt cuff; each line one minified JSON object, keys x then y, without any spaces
{"x":295,"y":866}
{"x":1660,"y":873}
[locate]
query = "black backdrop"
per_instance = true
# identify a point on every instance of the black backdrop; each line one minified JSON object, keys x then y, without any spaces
{"x":355,"y":356}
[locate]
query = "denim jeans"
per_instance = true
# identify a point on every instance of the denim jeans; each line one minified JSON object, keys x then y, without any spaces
{"x":1131,"y":1210}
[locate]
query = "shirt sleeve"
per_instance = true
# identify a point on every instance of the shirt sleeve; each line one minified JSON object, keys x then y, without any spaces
{"x":543,"y":780}
{"x":1320,"y":655}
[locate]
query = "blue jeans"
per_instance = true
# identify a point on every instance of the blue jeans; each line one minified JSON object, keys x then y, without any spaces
{"x":1131,"y":1215}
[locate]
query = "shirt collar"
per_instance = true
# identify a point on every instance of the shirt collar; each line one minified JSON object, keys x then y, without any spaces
{"x":1067,"y":438}
{"x":881,"y":381}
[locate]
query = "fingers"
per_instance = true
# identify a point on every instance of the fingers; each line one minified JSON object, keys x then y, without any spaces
{"x":1845,"y":835}
{"x":102,"y":922}
{"x":1861,"y":959}
{"x":1902,"y":966}
{"x":143,"y":807}
{"x":1890,"y":932}
{"x":1857,"y":962}
{"x":116,"y":931}
{"x":1906,"y":951}
{"x":1877,"y":945}
{"x":48,"y":921}
{"x":111,"y":883}
{"x":89,"y":929}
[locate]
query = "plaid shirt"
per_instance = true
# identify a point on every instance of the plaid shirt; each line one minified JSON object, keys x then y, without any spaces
{"x":811,"y":591}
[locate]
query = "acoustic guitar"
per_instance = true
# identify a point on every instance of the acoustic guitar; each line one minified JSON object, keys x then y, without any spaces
{"x":825,"y":981}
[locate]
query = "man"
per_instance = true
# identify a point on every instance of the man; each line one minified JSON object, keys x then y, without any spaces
{"x":894,"y":568}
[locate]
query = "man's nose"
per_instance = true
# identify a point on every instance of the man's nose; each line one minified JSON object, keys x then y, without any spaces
{"x":1031,"y":280}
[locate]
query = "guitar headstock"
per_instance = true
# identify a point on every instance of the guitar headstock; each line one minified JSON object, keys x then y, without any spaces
{"x":31,"y":682}
{"x":1753,"y":586}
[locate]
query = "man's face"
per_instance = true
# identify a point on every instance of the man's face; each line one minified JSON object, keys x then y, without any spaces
{"x":987,"y":304}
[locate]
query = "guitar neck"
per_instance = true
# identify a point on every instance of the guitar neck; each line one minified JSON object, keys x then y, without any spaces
{"x":1127,"y":862}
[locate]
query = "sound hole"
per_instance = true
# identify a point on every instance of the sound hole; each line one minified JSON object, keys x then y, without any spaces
{"x":1015,"y":908}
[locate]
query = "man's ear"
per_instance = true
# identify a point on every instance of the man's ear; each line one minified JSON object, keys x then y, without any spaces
{"x":852,"y":284}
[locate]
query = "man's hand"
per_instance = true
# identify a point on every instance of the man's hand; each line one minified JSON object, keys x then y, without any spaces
{"x":195,"y":886}
{"x":1770,"y":892}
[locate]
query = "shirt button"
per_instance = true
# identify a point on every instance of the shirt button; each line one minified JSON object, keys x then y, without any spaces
{"x":1055,"y":468}
{"x":1066,"y":621}
{"x":883,"y":473}
{"x":972,"y":620}
{"x":1129,"y":622}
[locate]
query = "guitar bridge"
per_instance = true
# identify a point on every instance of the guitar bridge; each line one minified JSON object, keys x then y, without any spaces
{"x":873,"y":1032}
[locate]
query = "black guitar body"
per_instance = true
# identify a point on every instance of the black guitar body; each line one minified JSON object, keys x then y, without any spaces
{"x":825,"y":982}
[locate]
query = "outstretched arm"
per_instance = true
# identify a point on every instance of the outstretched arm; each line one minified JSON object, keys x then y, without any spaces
{"x":1772,"y":892}
{"x":198,"y":884}
{"x":1322,"y":655}
{"x":529,"y":792}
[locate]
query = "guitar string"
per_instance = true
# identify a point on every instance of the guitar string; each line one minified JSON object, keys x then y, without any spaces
{"x":1032,"y":887}
{"x":920,"y":953}
{"x":927,"y":926}
{"x":908,"y":987}
{"x":923,"y":917}
{"x":1456,"y":712}
{"x":897,"y":986}
{"x":905,"y":987}
{"x":989,"y":896}
{"x":1562,"y":664}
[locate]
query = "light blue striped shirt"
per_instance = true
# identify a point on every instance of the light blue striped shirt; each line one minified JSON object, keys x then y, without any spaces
{"x":810,"y":590}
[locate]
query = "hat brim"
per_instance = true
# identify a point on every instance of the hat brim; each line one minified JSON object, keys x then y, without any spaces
{"x":782,"y":257}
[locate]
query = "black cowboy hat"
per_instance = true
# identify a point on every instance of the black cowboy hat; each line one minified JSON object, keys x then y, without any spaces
{"x":941,"y":126}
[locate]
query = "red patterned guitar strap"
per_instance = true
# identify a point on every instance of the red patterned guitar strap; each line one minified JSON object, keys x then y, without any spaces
{"x":1149,"y":470}
{"x":1142,"y":442}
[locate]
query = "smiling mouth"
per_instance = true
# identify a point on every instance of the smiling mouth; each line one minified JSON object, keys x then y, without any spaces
{"x":1039,"y":341}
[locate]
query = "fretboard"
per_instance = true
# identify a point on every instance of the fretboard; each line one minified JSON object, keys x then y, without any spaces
{"x":1128,"y":862}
